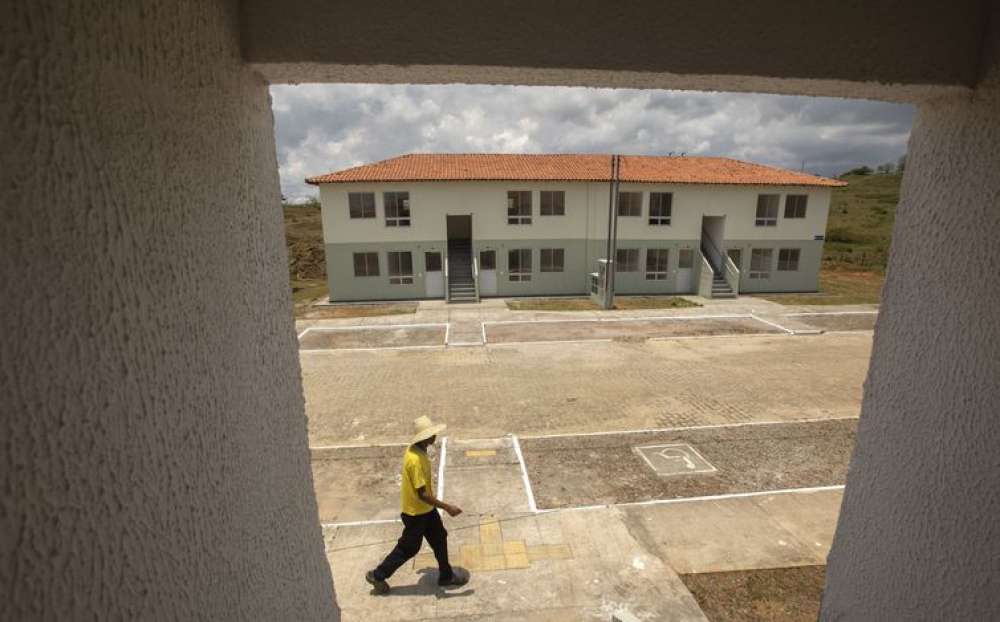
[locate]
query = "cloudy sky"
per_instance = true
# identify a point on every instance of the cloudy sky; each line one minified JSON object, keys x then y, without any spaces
{"x":321,"y":128}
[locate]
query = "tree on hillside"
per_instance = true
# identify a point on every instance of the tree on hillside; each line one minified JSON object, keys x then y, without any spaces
{"x":861,"y":170}
{"x":901,"y":164}
{"x":885,"y":169}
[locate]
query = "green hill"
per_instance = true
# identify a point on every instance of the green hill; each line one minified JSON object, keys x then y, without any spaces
{"x":857,"y":243}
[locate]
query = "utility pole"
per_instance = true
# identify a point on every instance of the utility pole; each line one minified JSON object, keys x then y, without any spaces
{"x":612,"y":245}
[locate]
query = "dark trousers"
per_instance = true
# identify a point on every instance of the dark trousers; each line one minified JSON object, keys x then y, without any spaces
{"x":415,"y":529}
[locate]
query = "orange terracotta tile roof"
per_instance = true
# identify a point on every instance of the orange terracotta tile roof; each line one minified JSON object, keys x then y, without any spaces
{"x":566,"y":167}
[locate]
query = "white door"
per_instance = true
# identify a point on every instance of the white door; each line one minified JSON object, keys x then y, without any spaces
{"x":685,"y":263}
{"x":433,"y":277}
{"x":487,"y":273}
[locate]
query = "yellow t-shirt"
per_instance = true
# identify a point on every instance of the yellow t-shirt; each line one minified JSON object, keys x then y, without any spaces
{"x":416,"y":473}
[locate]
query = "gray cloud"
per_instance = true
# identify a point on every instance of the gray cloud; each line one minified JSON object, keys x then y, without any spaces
{"x":322,"y":128}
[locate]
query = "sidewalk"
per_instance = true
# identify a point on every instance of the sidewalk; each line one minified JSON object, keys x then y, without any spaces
{"x":574,"y":564}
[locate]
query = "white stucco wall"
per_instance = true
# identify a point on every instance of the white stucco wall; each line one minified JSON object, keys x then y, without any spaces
{"x":586,"y":212}
{"x":919,"y":531}
{"x":153,"y":450}
{"x":152,"y":443}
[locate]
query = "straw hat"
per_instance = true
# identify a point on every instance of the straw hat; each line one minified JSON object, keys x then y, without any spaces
{"x":425,"y":429}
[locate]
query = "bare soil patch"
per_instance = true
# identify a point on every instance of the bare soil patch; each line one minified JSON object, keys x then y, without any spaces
{"x":607,"y":469}
{"x":312,"y":312}
{"x":772,"y":595}
{"x":355,"y":484}
{"x":585,"y":304}
{"x":353,"y":338}
{"x":628,"y":330}
{"x":851,"y":321}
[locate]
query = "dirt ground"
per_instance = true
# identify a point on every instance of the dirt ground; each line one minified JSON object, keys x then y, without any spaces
{"x":586,"y":304}
{"x":772,"y":595}
{"x":608,"y":469}
{"x":354,"y":484}
{"x":852,"y":321}
{"x":625,"y":330}
{"x":336,"y":339}
{"x":335,"y":312}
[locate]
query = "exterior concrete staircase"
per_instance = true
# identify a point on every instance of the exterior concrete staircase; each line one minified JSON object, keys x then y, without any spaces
{"x":720,"y":288}
{"x":461,"y":281}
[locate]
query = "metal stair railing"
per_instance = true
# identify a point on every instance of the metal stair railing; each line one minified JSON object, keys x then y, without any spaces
{"x":447,"y":279}
{"x":475,"y":276}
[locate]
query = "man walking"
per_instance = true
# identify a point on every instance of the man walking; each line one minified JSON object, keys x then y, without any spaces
{"x":419,"y":513}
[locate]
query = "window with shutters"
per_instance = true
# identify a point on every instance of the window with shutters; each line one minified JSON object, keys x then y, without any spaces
{"x":397,"y":209}
{"x":519,"y":207}
{"x":365,"y":264}
{"x":767,"y":210}
{"x":361,"y":204}
{"x":400,"y":268}
{"x":660,"y":207}
{"x":657,"y":260}
{"x":552,"y":203}
{"x":519,"y":264}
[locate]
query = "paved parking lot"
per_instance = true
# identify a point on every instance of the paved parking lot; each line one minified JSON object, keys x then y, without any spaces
{"x":373,"y":396}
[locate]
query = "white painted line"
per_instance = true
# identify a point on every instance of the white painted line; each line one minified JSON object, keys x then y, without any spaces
{"x":831,"y":313}
{"x":359,"y":523}
{"x":524,"y":475}
{"x":379,"y":326}
{"x":483,"y":325}
{"x":303,"y":333}
{"x":374,"y":349}
{"x":642,"y":318}
{"x":847,"y":332}
{"x":684,"y":428}
{"x":358,"y":446}
{"x":735,"y":495}
{"x":447,"y":333}
{"x":726,"y":336}
{"x":462,"y":344}
{"x":444,"y":454}
{"x":769,"y":323}
{"x":521,"y":343}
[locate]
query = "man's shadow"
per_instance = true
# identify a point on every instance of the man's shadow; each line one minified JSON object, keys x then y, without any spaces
{"x":427,"y":585}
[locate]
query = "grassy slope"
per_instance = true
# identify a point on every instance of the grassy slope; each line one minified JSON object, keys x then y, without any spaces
{"x":857,"y":242}
{"x":306,"y":259}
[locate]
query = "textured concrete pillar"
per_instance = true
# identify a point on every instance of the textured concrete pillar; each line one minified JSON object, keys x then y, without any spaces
{"x":919,"y":530}
{"x":153,"y":449}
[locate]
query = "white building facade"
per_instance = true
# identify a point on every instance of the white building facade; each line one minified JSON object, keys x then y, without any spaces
{"x":437,"y":226}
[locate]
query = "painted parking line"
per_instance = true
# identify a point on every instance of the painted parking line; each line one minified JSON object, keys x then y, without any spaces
{"x":772,"y":324}
{"x":731,"y":495}
{"x":375,"y":327}
{"x":685,"y":428}
{"x":524,"y":475}
{"x":641,"y":318}
{"x":801,"y":313}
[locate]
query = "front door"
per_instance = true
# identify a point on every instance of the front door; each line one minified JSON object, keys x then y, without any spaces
{"x":685,"y":263}
{"x":433,"y":277}
{"x":487,"y":273}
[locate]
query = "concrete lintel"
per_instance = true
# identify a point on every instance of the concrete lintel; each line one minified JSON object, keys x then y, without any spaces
{"x":887,"y":49}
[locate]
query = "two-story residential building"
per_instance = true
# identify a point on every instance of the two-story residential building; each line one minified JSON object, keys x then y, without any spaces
{"x":460,"y":226}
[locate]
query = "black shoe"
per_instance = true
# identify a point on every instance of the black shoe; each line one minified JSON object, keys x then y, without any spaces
{"x":381,"y":587}
{"x":456,"y":579}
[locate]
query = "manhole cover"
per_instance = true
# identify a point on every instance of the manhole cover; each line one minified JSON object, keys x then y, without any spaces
{"x":675,"y":459}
